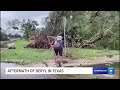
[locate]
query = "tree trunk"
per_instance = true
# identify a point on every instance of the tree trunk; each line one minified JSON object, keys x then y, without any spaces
{"x":72,"y":43}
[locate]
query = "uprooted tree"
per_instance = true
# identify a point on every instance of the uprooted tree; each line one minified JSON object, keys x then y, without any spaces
{"x":86,"y":28}
{"x":100,"y":35}
{"x":41,"y":41}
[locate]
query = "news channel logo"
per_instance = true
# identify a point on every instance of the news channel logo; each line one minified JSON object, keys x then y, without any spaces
{"x":111,"y":70}
{"x":103,"y":70}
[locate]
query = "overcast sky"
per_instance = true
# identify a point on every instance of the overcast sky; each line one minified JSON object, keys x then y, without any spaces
{"x":34,"y":15}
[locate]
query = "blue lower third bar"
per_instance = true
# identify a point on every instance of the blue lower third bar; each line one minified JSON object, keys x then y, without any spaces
{"x":103,"y":70}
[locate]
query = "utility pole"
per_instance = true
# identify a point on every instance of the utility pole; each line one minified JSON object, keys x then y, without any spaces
{"x":64,"y":22}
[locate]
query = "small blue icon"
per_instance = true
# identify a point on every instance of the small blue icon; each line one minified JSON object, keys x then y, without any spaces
{"x":111,"y":70}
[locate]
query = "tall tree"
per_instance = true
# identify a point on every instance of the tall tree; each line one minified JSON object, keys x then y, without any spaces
{"x":28,"y":27}
{"x":86,"y":25}
{"x":3,"y":36}
{"x":14,"y":24}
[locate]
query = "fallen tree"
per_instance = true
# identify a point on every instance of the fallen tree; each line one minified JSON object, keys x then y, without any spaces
{"x":41,"y":41}
{"x":99,"y":36}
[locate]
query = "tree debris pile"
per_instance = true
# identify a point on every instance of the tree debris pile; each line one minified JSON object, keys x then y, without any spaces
{"x":41,"y":41}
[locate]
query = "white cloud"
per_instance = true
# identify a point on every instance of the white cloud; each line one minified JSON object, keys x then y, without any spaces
{"x":40,"y":19}
{"x":35,"y":15}
{"x":8,"y":15}
{"x":5,"y":16}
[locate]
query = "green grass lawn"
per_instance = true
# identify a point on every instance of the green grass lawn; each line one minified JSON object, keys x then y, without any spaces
{"x":89,"y":53}
{"x":22,"y":55}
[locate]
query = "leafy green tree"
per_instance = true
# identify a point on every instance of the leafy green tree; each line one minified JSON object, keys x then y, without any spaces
{"x":28,"y":27}
{"x":85,"y":26}
{"x":3,"y":36}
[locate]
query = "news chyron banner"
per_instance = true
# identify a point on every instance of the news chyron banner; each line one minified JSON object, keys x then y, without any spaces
{"x":60,"y":70}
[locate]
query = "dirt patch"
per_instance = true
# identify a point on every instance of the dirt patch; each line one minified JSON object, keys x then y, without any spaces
{"x":82,"y":62}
